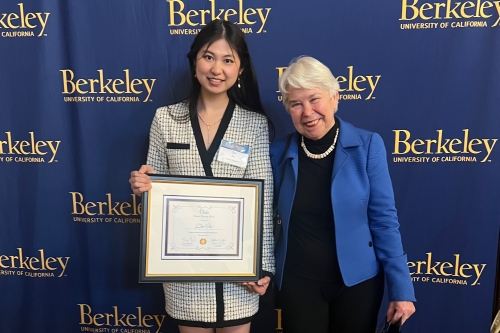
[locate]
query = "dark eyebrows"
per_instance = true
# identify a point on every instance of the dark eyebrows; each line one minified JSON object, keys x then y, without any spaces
{"x":213,"y":54}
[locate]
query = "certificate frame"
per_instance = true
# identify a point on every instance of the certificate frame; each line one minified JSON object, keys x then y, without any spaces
{"x":201,"y":229}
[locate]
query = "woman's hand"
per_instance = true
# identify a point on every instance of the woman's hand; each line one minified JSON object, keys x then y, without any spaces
{"x":400,"y":310}
{"x":260,"y":286}
{"x":139,"y":181}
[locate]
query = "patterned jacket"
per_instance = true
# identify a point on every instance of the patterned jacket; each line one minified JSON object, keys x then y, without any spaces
{"x":171,"y":124}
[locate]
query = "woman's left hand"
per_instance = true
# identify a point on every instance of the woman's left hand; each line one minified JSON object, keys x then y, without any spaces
{"x":400,"y":310}
{"x":260,"y":286}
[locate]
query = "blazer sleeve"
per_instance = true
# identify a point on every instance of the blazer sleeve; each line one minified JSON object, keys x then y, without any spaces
{"x":384,"y":224}
{"x":259,"y":167}
{"x":157,"y":155}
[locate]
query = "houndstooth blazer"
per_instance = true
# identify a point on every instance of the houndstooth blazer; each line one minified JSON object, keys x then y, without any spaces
{"x":197,"y":301}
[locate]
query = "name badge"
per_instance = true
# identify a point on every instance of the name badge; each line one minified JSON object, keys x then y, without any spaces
{"x":233,"y":153}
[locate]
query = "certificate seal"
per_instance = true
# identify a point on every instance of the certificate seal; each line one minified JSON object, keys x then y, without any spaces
{"x":203,"y":241}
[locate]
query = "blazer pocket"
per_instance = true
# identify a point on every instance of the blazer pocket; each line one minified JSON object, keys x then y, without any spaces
{"x":174,"y":145}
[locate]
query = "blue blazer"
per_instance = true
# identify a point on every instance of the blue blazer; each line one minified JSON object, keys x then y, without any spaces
{"x":366,"y":224}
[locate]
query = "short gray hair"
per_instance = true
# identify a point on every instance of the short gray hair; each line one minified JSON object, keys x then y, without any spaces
{"x":307,"y":73}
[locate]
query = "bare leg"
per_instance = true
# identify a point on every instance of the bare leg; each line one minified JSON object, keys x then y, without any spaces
{"x":235,"y":329}
{"x":187,"y":329}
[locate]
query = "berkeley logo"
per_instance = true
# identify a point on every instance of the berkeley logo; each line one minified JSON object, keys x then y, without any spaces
{"x":200,"y":17}
{"x":103,"y":85}
{"x":463,"y":14}
{"x":28,"y":150}
{"x":23,"y":20}
{"x":460,"y":149}
{"x":115,"y":318}
{"x":35,"y":266}
{"x":453,"y":272}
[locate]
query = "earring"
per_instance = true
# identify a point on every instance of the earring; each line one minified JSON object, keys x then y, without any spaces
{"x":195,"y":75}
{"x":239,"y":85}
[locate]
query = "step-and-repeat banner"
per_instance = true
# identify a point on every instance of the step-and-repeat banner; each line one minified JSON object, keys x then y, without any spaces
{"x":80,"y":82}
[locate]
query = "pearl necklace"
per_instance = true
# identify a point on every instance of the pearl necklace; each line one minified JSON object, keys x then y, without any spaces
{"x":323,"y":155}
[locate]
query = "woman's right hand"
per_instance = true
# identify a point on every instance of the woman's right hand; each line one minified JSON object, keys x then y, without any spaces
{"x":139,"y":180}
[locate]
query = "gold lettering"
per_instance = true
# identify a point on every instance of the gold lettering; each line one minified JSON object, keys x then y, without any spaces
{"x":148,"y":87}
{"x":29,"y":17}
{"x":497,"y":5}
{"x":12,"y":16}
{"x":111,"y":208}
{"x":84,"y":314}
{"x":249,"y":12}
{"x":419,"y":265}
{"x":173,"y":12}
{"x":33,"y":259}
{"x":42,"y":22}
{"x":484,"y":5}
{"x":89,"y":205}
{"x":67,"y":81}
{"x":474,"y":142}
{"x":159,"y":320}
{"x":356,"y":81}
{"x":49,"y":261}
{"x":429,"y":262}
{"x":190,"y":14}
{"x":81,"y":82}
{"x":22,"y":145}
{"x":74,"y":196}
{"x":3,"y":258}
{"x":117,"y":82}
{"x":397,"y":141}
{"x":466,"y":5}
{"x":262,"y":17}
{"x":372,"y":85}
{"x":230,"y":12}
{"x":423,"y":8}
{"x":278,"y":312}
{"x":478,"y":272}
{"x":439,"y":145}
{"x":98,"y":316}
{"x":147,"y":317}
{"x":203,"y":12}
{"x":488,"y":148}
{"x":452,"y":143}
{"x":280,"y":72}
{"x":101,"y":81}
{"x":445,"y":265}
{"x":135,"y":82}
{"x":438,"y":6}
{"x":417,"y":142}
{"x":450,"y":10}
{"x":131,"y":316}
{"x":404,"y":8}
{"x":123,"y":206}
{"x":464,"y":267}
{"x":63,"y":264}
{"x":411,"y":264}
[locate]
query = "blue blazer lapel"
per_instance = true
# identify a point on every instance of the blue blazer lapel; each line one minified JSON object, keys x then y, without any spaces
{"x":348,"y":138}
{"x":289,"y":181}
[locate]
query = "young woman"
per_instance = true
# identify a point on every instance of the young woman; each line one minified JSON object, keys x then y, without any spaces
{"x":224,"y":104}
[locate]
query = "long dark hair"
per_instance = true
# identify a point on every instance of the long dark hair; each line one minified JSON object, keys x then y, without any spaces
{"x":247,"y":96}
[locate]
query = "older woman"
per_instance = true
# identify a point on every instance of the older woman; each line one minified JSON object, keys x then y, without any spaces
{"x":339,"y":237}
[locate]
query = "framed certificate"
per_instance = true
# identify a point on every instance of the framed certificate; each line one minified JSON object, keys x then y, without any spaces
{"x":201,"y":229}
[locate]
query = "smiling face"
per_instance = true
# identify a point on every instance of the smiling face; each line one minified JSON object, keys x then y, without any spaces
{"x":217,"y":68}
{"x":312,"y":111}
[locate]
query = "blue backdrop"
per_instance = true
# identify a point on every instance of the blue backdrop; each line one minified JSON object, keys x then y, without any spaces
{"x":80,"y":82}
